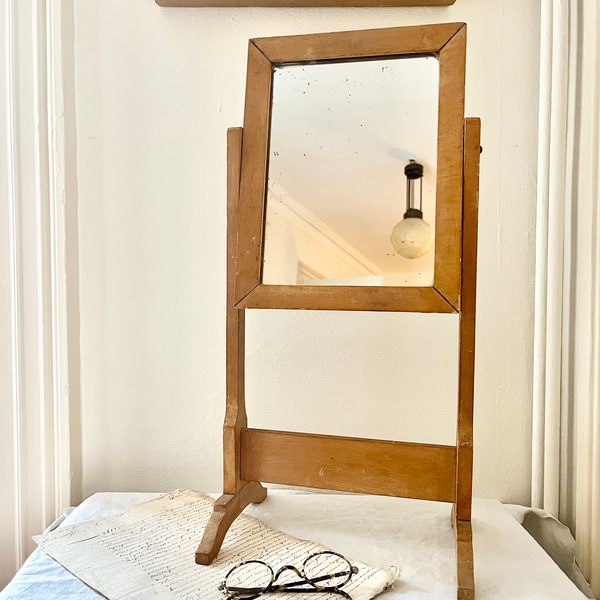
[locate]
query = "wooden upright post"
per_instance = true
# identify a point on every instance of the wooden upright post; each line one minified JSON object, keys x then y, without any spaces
{"x":466,"y":369}
{"x":237,"y":493}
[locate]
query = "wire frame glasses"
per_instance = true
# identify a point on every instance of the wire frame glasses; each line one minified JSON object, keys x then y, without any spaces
{"x":321,"y":572}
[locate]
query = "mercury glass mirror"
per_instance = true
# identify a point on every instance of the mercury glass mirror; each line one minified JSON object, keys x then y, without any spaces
{"x":336,"y":183}
{"x":331,"y":122}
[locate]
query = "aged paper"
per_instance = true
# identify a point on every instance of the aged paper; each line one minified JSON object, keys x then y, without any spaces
{"x":147,"y":552}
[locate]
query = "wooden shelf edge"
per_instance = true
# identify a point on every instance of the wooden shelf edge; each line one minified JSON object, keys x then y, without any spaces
{"x":300,"y":3}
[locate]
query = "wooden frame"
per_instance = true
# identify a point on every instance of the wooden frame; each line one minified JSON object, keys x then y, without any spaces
{"x":426,"y":471}
{"x":432,"y":472}
{"x":447,"y":42}
{"x":290,"y":3}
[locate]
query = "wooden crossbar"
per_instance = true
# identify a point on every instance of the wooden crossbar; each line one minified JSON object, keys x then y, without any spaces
{"x":348,"y":464}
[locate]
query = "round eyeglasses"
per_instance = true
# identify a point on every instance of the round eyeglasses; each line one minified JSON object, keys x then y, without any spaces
{"x":325,"y":571}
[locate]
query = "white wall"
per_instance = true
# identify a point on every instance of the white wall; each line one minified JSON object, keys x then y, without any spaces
{"x":156,"y":90}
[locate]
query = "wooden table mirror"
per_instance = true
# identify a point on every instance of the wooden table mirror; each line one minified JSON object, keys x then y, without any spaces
{"x":336,"y":127}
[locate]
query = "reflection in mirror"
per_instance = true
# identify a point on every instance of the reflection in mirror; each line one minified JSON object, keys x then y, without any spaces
{"x":341,"y":137}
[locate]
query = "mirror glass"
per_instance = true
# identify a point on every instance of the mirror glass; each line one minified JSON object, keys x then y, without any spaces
{"x":341,"y":135}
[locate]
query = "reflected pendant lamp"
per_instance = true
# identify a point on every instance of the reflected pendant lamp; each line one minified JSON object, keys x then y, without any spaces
{"x":412,"y":237}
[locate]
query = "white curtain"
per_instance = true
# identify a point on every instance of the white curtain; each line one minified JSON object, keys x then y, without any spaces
{"x":566,"y":386}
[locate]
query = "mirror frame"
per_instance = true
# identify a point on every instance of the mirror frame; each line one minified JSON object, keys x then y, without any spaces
{"x":445,"y":41}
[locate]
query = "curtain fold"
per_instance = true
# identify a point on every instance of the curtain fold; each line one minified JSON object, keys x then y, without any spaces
{"x":550,"y":235}
{"x":566,"y":389}
{"x":586,"y":355}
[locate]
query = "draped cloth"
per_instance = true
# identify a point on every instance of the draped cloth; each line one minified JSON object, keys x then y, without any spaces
{"x":566,"y":386}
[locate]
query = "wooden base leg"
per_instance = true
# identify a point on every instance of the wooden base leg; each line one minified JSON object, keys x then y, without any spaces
{"x":463,"y":538}
{"x":225,"y":511}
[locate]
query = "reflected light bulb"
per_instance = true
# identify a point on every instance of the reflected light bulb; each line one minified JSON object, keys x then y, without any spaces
{"x":412,"y":237}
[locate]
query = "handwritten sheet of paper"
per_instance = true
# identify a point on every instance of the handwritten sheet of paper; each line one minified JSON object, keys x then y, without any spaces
{"x":147,"y":552}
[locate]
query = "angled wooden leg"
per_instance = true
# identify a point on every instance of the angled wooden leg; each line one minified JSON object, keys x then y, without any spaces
{"x":237,"y":493}
{"x":226,"y":509}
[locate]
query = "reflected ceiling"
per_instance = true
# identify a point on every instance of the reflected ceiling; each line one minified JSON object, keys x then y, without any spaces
{"x":341,"y":135}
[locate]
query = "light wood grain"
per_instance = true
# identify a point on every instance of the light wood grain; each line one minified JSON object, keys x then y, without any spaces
{"x":235,"y":413}
{"x":466,"y":368}
{"x":350,"y":464}
{"x":225,"y":511}
{"x":255,"y":146}
{"x":426,"y":471}
{"x":237,"y":493}
{"x":447,"y":271}
{"x":414,"y":299}
{"x":290,"y":3}
{"x":463,"y":541}
{"x":357,"y":45}
{"x":446,"y":40}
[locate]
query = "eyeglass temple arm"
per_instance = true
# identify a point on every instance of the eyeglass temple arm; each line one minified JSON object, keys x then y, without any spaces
{"x":289,"y":591}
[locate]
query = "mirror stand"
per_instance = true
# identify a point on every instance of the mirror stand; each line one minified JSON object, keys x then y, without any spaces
{"x":237,"y":492}
{"x":422,"y":471}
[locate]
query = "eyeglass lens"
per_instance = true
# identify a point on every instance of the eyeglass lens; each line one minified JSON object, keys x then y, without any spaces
{"x":327,"y":570}
{"x":251,"y":577}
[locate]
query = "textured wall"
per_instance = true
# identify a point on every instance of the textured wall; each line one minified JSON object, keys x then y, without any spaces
{"x":156,"y":90}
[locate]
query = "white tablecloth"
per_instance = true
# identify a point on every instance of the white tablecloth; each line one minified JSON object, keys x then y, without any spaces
{"x":414,"y":535}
